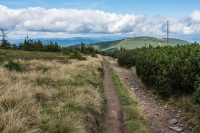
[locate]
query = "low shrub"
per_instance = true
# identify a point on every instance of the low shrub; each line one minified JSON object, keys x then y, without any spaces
{"x":76,"y":55}
{"x":94,"y":55}
{"x":13,"y":66}
{"x":126,"y":59}
{"x":66,"y":52}
{"x":170,"y":71}
{"x":88,"y":52}
{"x":196,"y":95}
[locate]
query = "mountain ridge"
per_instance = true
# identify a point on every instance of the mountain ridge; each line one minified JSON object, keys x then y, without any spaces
{"x":71,"y":41}
{"x":135,"y":42}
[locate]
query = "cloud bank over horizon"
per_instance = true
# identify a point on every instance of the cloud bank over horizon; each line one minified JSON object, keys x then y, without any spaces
{"x":39,"y":21}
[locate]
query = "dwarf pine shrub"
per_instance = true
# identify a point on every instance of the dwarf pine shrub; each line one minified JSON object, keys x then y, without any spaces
{"x":76,"y":55}
{"x":11,"y":65}
{"x":196,"y":94}
{"x":94,"y":55}
{"x":66,"y":52}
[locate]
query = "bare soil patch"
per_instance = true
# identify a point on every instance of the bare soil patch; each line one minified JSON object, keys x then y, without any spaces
{"x":113,"y":122}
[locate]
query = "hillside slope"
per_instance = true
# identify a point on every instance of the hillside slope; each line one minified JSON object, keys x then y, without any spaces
{"x":138,"y":42}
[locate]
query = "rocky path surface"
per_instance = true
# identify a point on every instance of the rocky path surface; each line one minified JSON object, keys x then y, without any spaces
{"x":113,"y":122}
{"x":161,"y":118}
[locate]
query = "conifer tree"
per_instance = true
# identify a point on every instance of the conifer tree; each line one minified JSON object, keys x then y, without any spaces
{"x":70,"y":49}
{"x":4,"y":43}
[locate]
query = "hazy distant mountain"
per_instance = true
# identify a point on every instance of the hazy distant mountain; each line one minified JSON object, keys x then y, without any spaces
{"x":71,"y":41}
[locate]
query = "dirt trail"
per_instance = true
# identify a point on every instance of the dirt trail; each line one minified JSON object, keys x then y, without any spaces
{"x":161,"y":118}
{"x":113,"y":122}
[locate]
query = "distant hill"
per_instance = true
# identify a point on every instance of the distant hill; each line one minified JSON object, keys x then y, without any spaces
{"x":71,"y":41}
{"x":64,"y":41}
{"x":137,"y":42}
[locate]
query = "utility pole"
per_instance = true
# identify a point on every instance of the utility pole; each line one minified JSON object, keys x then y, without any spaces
{"x":168,"y":33}
{"x":135,"y":38}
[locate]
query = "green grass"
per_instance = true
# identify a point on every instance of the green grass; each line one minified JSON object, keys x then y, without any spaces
{"x":6,"y":55}
{"x":138,"y":42}
{"x":134,"y":120}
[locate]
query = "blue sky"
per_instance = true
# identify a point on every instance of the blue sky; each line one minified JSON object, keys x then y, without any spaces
{"x":58,"y":18}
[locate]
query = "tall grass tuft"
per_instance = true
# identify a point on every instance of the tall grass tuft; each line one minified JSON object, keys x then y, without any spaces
{"x":188,"y":106}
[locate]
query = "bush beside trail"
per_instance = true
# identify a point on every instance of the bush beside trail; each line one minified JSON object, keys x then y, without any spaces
{"x":196,"y":94}
{"x":126,"y":59}
{"x":170,"y":71}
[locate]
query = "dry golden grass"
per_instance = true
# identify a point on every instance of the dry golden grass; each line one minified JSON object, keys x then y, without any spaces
{"x":48,"y":96}
{"x":187,"y":105}
{"x":133,"y":69}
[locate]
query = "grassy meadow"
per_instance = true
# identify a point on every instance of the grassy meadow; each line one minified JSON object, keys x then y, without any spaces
{"x":51,"y":94}
{"x":138,"y":42}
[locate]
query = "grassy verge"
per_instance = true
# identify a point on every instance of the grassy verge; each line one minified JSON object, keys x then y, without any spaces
{"x":134,"y":120}
{"x":49,"y":95}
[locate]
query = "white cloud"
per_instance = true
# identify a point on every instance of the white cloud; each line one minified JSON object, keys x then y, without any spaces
{"x":195,"y":17}
{"x":72,"y":21}
{"x":67,"y":20}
